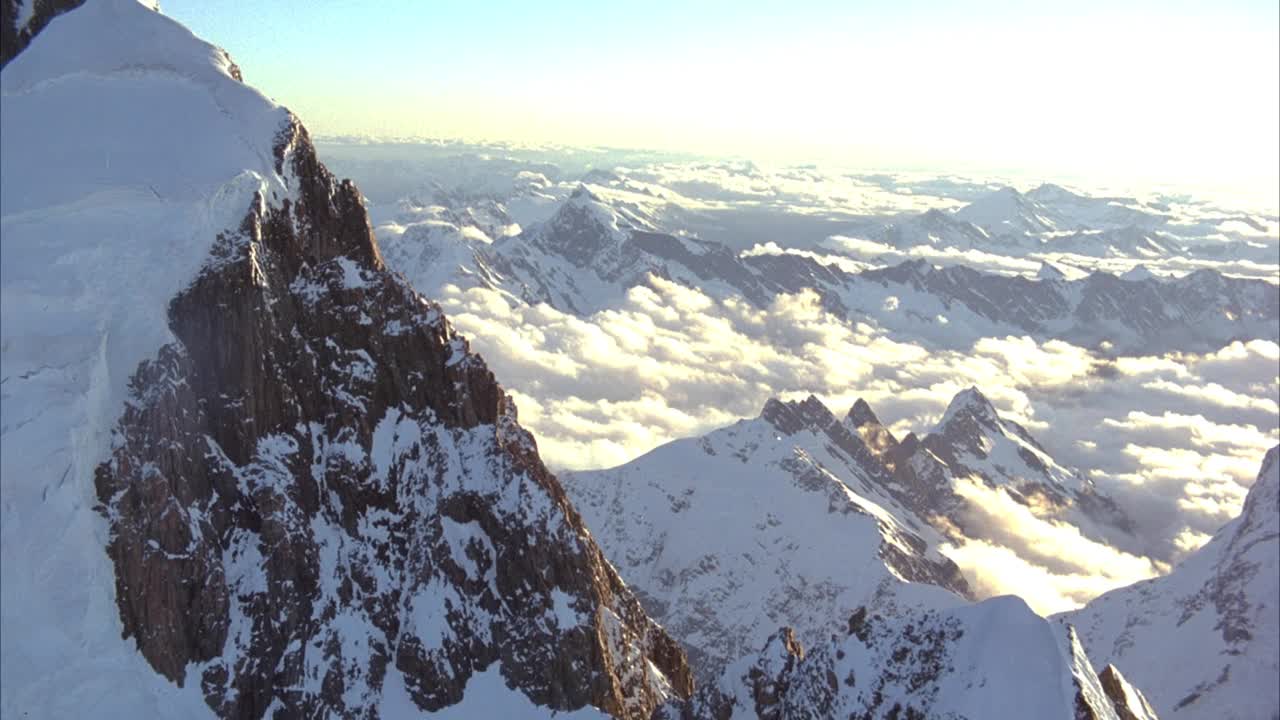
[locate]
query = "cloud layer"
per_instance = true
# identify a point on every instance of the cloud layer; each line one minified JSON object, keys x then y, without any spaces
{"x":1176,"y":439}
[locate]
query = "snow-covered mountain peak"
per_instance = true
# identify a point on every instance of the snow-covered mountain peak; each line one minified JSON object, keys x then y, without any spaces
{"x":932,"y":227}
{"x":969,"y":403}
{"x":142,"y":40}
{"x":722,"y":534}
{"x":972,"y":439}
{"x":1268,"y":483}
{"x":586,"y":230}
{"x":582,"y":194}
{"x":1007,"y":210}
{"x":1260,"y":517}
{"x":354,"y":497}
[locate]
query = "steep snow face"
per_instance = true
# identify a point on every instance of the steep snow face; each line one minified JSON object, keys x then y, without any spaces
{"x":241,"y":457}
{"x":1204,"y":640}
{"x":779,"y":520}
{"x":127,"y":146}
{"x":994,"y":659}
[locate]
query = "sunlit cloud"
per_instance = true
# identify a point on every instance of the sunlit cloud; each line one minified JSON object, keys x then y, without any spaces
{"x":1175,"y":439}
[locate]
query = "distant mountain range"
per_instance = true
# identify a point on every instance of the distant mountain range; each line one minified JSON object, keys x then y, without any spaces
{"x":589,"y":253}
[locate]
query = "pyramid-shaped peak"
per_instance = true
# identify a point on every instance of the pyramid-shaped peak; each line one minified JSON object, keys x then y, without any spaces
{"x":862,"y":414}
{"x":969,"y":403}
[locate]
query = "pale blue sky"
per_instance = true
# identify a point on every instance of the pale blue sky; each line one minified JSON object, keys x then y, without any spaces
{"x":1139,"y":90}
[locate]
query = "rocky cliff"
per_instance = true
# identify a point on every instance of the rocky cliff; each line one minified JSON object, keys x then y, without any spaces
{"x":315,"y":496}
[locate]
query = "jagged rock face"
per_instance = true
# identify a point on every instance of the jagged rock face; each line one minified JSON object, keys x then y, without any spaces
{"x":973,"y":441}
{"x":1128,"y":701}
{"x":915,"y":663}
{"x":319,"y":486}
{"x":878,"y":439}
{"x":1200,"y":641}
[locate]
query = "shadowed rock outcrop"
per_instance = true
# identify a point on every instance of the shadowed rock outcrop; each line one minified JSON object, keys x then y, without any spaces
{"x":17,"y":31}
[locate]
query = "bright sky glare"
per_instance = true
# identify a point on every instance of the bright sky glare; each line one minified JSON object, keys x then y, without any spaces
{"x":1128,"y":91}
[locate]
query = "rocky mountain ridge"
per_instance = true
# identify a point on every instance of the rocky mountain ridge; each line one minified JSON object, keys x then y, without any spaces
{"x":705,"y":527}
{"x":909,"y":663}
{"x":314,"y":500}
{"x":585,"y":257}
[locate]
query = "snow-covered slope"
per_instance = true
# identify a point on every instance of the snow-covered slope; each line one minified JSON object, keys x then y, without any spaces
{"x":991,"y":660}
{"x":1052,"y":208}
{"x":729,"y":536}
{"x":246,"y":469}
{"x":127,"y":146}
{"x":1203,"y":641}
{"x":1072,"y":210}
{"x":771,"y":521}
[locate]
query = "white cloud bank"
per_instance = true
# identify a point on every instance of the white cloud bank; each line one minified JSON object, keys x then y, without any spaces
{"x":1175,"y":439}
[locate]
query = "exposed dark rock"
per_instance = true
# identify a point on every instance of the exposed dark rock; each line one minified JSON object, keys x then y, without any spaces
{"x":1123,"y":695}
{"x":319,"y":485}
{"x":14,"y":39}
{"x":878,"y":439}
